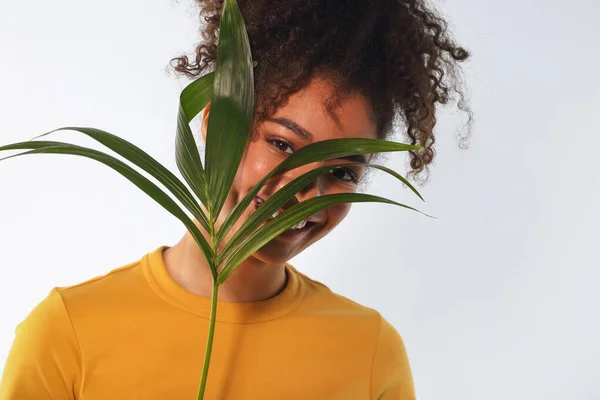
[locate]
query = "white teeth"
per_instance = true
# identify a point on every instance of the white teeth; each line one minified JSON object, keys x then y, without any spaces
{"x":299,"y":225}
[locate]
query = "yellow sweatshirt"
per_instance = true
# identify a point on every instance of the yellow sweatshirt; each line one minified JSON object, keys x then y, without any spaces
{"x":135,"y":334}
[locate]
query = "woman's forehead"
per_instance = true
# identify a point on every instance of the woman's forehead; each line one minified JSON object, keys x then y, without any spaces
{"x":321,"y":112}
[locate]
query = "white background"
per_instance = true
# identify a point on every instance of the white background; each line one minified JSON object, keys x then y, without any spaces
{"x":496,"y":299}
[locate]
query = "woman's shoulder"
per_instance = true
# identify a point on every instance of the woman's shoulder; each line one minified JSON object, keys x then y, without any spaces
{"x":323,"y":300}
{"x":365,"y":325}
{"x":98,"y":297}
{"x":119,"y":279}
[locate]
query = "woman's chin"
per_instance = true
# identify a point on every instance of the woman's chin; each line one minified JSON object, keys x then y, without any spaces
{"x":277,"y":252}
{"x":288,"y":245}
{"x":273,"y":254}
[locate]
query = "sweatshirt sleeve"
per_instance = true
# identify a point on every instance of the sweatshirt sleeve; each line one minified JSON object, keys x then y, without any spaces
{"x":391,"y":377}
{"x":44,"y":360}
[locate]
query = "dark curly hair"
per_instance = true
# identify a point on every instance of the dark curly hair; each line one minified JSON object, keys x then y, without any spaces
{"x":397,"y":53}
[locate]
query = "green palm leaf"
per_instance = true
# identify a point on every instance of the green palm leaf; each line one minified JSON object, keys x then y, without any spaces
{"x":232,"y":107}
{"x":196,"y":96}
{"x":289,"y":218}
{"x":339,"y":148}
{"x":283,"y":195}
{"x":139,"y":157}
{"x":188,"y":159}
{"x":318,"y":151}
{"x":49,"y":147}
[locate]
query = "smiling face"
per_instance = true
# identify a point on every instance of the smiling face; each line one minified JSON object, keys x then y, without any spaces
{"x":304,"y":119}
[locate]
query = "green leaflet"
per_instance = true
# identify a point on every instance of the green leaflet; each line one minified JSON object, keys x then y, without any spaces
{"x":318,"y":151}
{"x":48,"y":147}
{"x":139,"y":157}
{"x":282,"y":196}
{"x":231,"y":109}
{"x":289,"y":218}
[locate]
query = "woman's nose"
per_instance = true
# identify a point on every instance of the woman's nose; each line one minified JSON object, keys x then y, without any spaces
{"x":312,"y":189}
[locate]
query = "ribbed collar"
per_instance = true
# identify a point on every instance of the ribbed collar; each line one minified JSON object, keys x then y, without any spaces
{"x":283,"y":303}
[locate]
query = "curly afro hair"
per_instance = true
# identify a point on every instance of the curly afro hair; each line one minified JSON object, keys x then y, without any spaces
{"x":398,"y":54}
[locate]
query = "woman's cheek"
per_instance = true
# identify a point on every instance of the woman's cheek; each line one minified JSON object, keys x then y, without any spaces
{"x":343,"y":210}
{"x":336,"y":214}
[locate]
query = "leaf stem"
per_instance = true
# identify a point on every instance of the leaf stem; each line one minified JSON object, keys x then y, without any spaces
{"x":209,"y":342}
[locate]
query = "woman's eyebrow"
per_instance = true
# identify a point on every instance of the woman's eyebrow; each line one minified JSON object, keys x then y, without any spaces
{"x":307,"y":136}
{"x":294,"y":127}
{"x":355,"y":158}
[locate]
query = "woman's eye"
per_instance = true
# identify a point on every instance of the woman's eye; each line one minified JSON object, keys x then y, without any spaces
{"x":282,"y":146}
{"x":344,"y":174}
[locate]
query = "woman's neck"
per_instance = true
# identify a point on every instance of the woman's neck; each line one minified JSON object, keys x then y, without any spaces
{"x":253,"y":280}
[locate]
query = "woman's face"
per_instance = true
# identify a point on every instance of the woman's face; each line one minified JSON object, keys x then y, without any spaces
{"x":302,"y":120}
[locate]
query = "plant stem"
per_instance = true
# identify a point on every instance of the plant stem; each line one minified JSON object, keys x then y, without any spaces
{"x":209,"y":342}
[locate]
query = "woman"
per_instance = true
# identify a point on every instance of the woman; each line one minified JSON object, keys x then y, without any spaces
{"x":326,"y":69}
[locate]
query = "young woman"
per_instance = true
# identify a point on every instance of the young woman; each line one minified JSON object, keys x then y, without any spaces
{"x":326,"y":69}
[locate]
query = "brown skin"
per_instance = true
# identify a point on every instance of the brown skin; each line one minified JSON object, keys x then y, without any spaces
{"x":262,"y":275}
